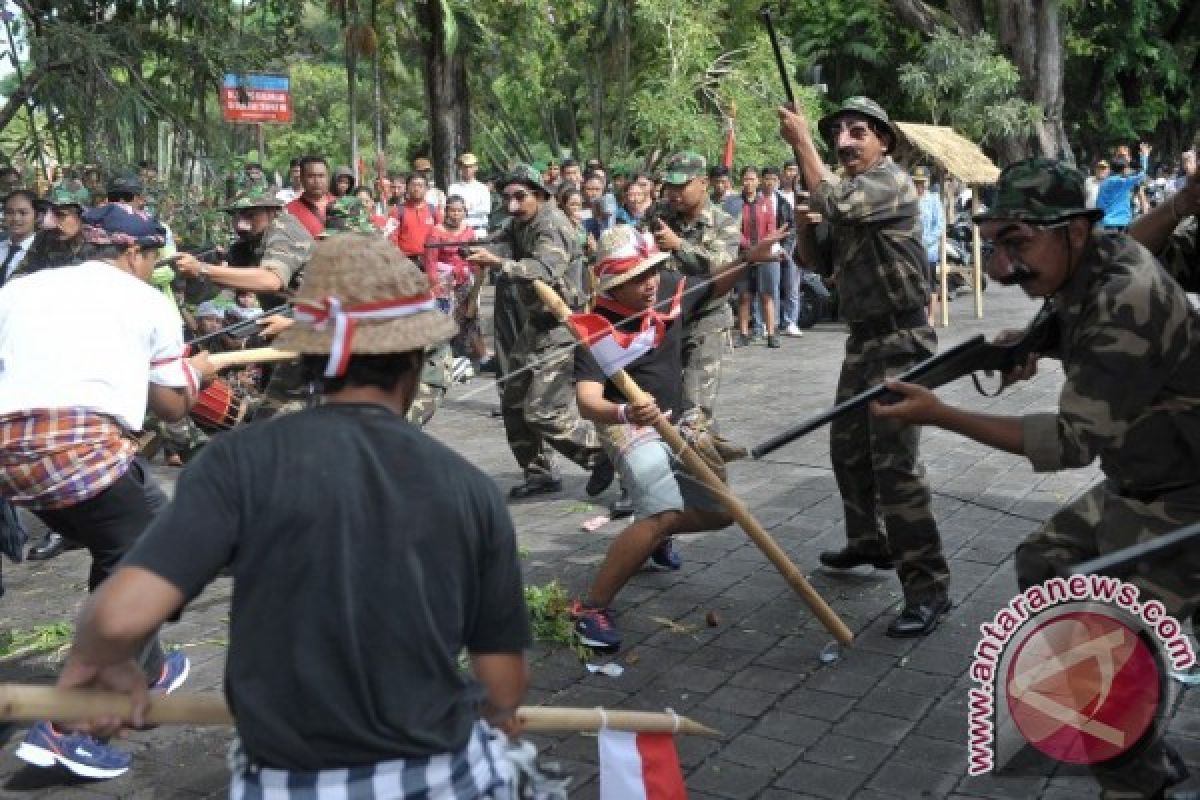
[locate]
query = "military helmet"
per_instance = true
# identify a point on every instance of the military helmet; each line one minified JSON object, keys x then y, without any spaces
{"x":126,"y":184}
{"x":526,"y":175}
{"x":1040,"y":191}
{"x":347,"y":214}
{"x":864,"y":106}
{"x":254,"y":197}
{"x":682,"y":167}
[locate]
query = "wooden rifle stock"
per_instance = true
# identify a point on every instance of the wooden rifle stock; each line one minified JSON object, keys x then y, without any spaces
{"x":965,"y":358}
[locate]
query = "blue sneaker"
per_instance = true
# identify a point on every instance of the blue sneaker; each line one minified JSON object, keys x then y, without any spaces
{"x":665,"y":556}
{"x":79,"y":753}
{"x":595,"y":627}
{"x":175,"y":670}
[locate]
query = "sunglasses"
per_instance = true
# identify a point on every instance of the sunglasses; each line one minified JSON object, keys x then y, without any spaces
{"x":520,"y":196}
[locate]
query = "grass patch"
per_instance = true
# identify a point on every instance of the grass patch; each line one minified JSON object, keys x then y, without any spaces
{"x":52,"y":638}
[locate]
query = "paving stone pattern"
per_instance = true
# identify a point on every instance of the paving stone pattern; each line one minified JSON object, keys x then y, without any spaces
{"x":888,"y":719}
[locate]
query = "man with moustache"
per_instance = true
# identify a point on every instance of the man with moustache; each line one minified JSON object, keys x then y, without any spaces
{"x":539,"y":243}
{"x":879,"y":264}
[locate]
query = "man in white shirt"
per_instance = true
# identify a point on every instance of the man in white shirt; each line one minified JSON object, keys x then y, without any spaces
{"x":71,"y":395}
{"x":474,"y":194}
{"x":20,"y":223}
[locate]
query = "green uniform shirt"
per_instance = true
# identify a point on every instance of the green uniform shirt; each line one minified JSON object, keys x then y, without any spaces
{"x":878,"y":257}
{"x":544,"y":248}
{"x":1181,"y":254}
{"x":710,"y":243}
{"x":1130,"y":347}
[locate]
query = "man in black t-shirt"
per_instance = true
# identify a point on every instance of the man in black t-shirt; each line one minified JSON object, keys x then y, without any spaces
{"x":359,"y":575}
{"x":647,"y":310}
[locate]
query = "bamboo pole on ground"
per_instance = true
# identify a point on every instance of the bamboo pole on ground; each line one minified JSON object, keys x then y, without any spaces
{"x":27,"y":703}
{"x":700,"y":469}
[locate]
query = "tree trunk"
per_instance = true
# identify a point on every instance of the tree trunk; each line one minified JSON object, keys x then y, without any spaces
{"x":1030,"y":34}
{"x":445,"y":92}
{"x":352,"y":102}
{"x":377,"y":90}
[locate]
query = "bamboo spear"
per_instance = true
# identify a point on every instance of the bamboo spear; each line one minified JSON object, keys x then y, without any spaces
{"x":255,"y":355}
{"x":700,"y":469}
{"x":26,"y":703}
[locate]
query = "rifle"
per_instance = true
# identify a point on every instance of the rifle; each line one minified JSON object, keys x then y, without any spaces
{"x":463,"y":250}
{"x":1126,"y":559}
{"x":965,"y":358}
{"x":171,"y":261}
{"x":246,"y":328}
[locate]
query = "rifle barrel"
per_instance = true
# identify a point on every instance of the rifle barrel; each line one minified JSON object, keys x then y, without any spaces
{"x":1124,"y":560}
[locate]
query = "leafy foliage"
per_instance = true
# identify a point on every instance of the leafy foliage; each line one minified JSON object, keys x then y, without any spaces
{"x":550,"y":614}
{"x":964,"y":83}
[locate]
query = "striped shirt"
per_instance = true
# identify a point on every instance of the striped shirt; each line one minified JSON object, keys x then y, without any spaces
{"x":59,"y":457}
{"x":479,"y":770}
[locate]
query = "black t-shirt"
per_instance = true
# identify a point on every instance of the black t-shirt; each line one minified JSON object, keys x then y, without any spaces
{"x":365,"y":557}
{"x":660,"y":371}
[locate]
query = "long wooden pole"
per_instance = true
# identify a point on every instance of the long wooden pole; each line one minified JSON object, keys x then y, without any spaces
{"x":255,"y":355}
{"x":699,"y":468}
{"x":26,"y":703}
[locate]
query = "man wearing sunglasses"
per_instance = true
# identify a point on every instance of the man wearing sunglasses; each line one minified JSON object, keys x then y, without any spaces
{"x":1130,"y":349}
{"x":879,"y":262}
{"x":538,"y":242}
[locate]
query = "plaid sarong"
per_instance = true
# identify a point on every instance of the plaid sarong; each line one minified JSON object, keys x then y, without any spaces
{"x":480,"y":770}
{"x":59,"y":457}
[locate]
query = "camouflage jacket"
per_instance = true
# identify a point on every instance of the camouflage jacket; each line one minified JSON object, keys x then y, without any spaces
{"x":1130,"y":347}
{"x":1181,"y":254}
{"x":286,"y":248}
{"x":875,"y":226}
{"x":710,"y":243}
{"x":545,"y":248}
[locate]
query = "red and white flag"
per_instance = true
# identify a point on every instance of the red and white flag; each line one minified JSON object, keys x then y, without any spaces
{"x":613,"y":349}
{"x":639,"y":766}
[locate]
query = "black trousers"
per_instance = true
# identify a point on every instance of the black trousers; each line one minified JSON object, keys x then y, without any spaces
{"x":108,"y":525}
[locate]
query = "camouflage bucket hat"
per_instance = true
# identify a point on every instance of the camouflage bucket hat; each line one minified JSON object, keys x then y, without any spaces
{"x":1040,"y":191}
{"x":347,"y":214}
{"x":863,"y":106}
{"x":126,"y":184}
{"x":526,"y":175}
{"x":682,"y":167}
{"x":257,"y":197}
{"x":61,"y":196}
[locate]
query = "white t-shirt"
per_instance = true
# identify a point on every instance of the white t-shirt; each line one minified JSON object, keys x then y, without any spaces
{"x":88,"y":336}
{"x":479,"y":203}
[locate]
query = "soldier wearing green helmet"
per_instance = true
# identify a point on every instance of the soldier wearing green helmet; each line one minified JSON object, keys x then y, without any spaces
{"x":879,"y":263}
{"x":1130,"y":348}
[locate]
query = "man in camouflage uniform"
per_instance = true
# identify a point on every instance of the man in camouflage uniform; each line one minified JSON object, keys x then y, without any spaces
{"x":537,"y":402}
{"x":879,"y":264}
{"x":1130,"y":348}
{"x":702,"y":240}
{"x":1172,"y":230}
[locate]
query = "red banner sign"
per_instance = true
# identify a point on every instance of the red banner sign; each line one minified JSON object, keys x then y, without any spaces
{"x":256,"y":97}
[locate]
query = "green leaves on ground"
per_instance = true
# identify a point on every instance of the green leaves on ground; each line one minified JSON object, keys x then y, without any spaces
{"x":54,"y":637}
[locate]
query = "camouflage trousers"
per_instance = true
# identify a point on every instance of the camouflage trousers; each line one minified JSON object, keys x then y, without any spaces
{"x":1099,"y":522}
{"x":287,"y":392}
{"x":537,"y":398}
{"x":508,"y":319}
{"x":435,"y":379}
{"x":884,"y":492}
{"x":182,"y":437}
{"x":703,"y":356}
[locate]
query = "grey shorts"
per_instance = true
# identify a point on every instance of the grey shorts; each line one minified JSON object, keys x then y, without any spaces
{"x":760,"y":278}
{"x":658,"y":482}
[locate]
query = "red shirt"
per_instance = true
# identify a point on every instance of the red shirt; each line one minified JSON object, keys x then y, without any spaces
{"x":416,"y":221}
{"x":311,"y":215}
{"x":447,"y":261}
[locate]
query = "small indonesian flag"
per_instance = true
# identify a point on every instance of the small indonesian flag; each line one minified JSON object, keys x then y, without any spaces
{"x":639,"y":766}
{"x":613,"y":349}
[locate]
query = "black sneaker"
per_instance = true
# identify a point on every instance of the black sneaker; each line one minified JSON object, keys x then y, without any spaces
{"x":601,"y":478}
{"x":919,"y":617}
{"x":773,"y":341}
{"x":595,"y":627}
{"x":741,"y":340}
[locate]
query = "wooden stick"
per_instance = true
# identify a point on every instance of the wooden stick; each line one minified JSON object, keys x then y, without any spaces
{"x":699,"y":468}
{"x":256,"y":355}
{"x":26,"y":703}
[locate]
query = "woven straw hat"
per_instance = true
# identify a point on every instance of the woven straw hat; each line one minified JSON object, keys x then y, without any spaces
{"x":362,"y":296}
{"x":624,"y":252}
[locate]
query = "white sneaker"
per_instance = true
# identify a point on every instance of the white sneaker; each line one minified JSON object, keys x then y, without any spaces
{"x":792,"y":330}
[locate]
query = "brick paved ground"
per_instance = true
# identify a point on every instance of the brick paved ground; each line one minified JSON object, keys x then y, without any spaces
{"x":886,"y":720}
